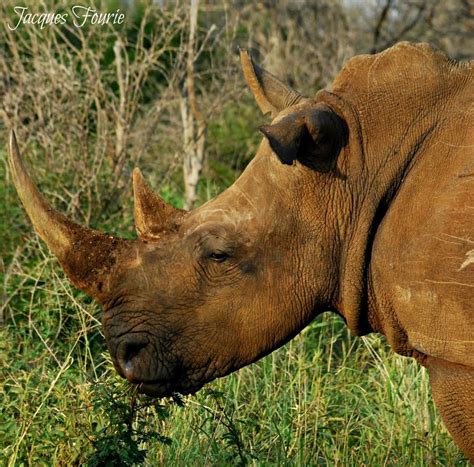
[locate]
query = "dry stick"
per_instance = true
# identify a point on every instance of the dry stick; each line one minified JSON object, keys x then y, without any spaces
{"x":130,"y":77}
{"x":7,"y":274}
{"x":64,"y":367}
{"x":120,"y":122}
{"x":406,"y":29}
{"x":152,"y":58}
{"x":194,"y":138}
{"x":48,"y":348}
{"x":378,"y":26}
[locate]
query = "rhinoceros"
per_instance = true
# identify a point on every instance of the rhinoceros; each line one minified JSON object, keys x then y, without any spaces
{"x":359,"y":200}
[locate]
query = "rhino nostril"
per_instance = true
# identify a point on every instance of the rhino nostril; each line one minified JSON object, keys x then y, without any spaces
{"x":129,"y":357}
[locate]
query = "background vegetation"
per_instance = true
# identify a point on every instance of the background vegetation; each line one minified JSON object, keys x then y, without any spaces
{"x":163,"y":91}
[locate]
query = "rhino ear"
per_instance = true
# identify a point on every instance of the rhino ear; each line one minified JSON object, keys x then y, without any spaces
{"x":152,"y":214}
{"x":271,"y":94}
{"x":314,"y":137}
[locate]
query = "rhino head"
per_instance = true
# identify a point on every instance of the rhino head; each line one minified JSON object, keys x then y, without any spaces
{"x":200,"y":294}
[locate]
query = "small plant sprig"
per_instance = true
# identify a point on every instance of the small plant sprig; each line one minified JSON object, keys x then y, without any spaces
{"x":224,"y":411}
{"x":127,"y":423}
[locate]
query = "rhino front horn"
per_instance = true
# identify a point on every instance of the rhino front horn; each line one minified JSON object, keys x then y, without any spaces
{"x":152,"y":214}
{"x":87,"y":256}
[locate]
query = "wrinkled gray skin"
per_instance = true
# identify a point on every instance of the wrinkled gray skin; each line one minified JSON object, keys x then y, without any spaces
{"x":331,"y":214}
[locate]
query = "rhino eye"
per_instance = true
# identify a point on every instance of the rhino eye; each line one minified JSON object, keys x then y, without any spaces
{"x":218,"y":257}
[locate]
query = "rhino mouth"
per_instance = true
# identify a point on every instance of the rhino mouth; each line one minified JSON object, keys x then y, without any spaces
{"x":166,"y":386}
{"x":166,"y":389}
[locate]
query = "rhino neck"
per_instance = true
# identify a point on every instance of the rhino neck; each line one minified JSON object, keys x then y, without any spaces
{"x":375,"y":173}
{"x":351,"y":291}
{"x":392,"y":103}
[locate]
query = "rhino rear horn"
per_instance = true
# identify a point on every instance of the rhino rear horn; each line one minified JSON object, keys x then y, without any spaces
{"x":152,"y":214}
{"x":312,"y":136}
{"x":87,"y":256}
{"x":271,"y":94}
